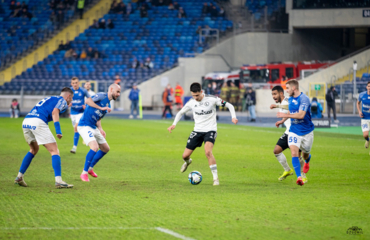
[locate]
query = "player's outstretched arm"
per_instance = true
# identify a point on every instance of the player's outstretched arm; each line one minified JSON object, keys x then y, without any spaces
{"x":178,"y":117}
{"x":359,"y":109}
{"x":298,"y":115}
{"x":98,"y":125}
{"x":91,"y":103}
{"x":232,"y":111}
{"x":55,"y":116}
{"x":286,"y":107}
{"x":278,"y":123}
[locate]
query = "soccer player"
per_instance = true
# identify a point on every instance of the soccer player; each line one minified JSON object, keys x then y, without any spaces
{"x":205,"y":128}
{"x":78,"y":107}
{"x":92,"y":132}
{"x":88,"y":89}
{"x":282,"y":144}
{"x":301,"y":130}
{"x":36,"y":132}
{"x":363,"y":108}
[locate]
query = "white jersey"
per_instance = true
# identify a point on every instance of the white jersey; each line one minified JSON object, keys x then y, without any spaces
{"x":287,"y":122}
{"x":204,"y":112}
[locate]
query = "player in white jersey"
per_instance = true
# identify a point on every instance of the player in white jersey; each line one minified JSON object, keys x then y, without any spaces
{"x":205,"y":128}
{"x":87,"y":86}
{"x":282,"y":144}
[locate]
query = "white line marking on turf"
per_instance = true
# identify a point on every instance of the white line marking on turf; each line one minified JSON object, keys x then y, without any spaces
{"x":164,"y":230}
{"x":175,"y":234}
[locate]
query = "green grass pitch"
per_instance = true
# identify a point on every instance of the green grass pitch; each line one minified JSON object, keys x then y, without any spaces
{"x":140,"y":187}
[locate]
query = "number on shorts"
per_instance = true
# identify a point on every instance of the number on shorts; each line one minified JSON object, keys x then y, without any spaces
{"x":193,"y":134}
{"x":90,"y":134}
{"x":364,"y":125}
{"x":42,"y":101}
{"x":291,"y":139}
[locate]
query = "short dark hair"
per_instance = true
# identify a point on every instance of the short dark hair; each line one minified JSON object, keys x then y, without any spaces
{"x":195,"y":87}
{"x":278,"y":88}
{"x":74,"y":78}
{"x":368,"y":83}
{"x":67,"y":90}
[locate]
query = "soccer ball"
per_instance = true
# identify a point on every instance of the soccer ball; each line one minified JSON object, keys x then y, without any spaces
{"x":195,"y":177}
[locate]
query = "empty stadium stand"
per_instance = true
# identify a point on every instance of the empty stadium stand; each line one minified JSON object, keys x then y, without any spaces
{"x":162,"y":36}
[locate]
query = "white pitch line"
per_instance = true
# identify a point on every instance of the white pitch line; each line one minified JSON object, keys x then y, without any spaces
{"x":164,"y":230}
{"x":175,"y":234}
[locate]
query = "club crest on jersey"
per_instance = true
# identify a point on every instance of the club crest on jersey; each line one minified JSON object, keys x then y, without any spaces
{"x":206,"y":104}
{"x":200,"y":104}
{"x":294,"y":101}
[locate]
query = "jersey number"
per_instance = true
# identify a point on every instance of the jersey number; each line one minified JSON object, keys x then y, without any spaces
{"x":42,"y":102}
{"x":291,"y":139}
{"x":193,"y":134}
{"x":90,"y":134}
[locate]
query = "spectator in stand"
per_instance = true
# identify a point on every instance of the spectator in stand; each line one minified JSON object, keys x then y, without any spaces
{"x":148,"y":64}
{"x":70,"y":4}
{"x":134,"y":98}
{"x":15,"y":9}
{"x":14,"y":109}
{"x":80,"y":7}
{"x":171,"y":7}
{"x":110,"y":24}
{"x":12,"y":6}
{"x":68,"y":45}
{"x":117,"y":80}
{"x":209,"y":90}
{"x":96,"y":54}
{"x":167,"y":100}
{"x":135,"y":63}
{"x":61,"y":46}
{"x":205,"y":9}
{"x":24,"y":5}
{"x":102,"y":24}
{"x":210,"y":7}
{"x":95,"y":24}
{"x":214,"y":12}
{"x":222,"y":13}
{"x":113,"y":5}
{"x":90,"y":53}
{"x":176,"y":6}
{"x":330,"y":99}
{"x":179,"y":93}
{"x":52,"y":5}
{"x":198,"y":31}
{"x":181,"y":13}
{"x":53,"y":17}
{"x":83,"y":55}
{"x":60,"y":18}
{"x":143,"y":12}
{"x":70,"y":53}
{"x":316,"y":109}
{"x":250,"y":97}
{"x":129,"y":9}
{"x":122,"y":8}
{"x":24,"y":13}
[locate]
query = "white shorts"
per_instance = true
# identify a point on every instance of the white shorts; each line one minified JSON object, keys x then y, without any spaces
{"x":365,"y":125}
{"x":36,"y":130}
{"x":76,"y":118}
{"x":89,"y":134}
{"x":304,"y":142}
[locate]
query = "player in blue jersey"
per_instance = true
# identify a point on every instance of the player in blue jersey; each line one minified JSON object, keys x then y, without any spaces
{"x":91,"y":130}
{"x":78,"y":107}
{"x":36,"y":132}
{"x":301,"y":130}
{"x":363,"y":108}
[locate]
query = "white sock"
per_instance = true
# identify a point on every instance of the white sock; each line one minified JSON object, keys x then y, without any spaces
{"x":20,"y":175}
{"x":282,"y":160}
{"x":187,"y":161}
{"x":214,"y":171}
{"x":90,"y":168}
{"x":84,"y":172}
{"x":301,"y":161}
{"x":75,"y":147}
{"x":58,"y":179}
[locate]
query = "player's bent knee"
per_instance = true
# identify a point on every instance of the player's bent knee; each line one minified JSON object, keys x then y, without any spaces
{"x":208,"y":153}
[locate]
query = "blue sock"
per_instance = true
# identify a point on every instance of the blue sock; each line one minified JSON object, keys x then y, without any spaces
{"x":75,"y":139}
{"x":89,"y":157}
{"x":308,"y":159}
{"x":367,"y":139}
{"x":57,"y":165}
{"x":97,"y":157}
{"x":296,"y":166}
{"x":26,"y":162}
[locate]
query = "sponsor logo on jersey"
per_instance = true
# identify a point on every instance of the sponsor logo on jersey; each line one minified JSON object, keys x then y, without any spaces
{"x":76,"y":101}
{"x":200,"y":104}
{"x":29,"y":127}
{"x":34,"y":113}
{"x":100,"y":114}
{"x":206,"y":104}
{"x":366,"y":106}
{"x":204,"y":112}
